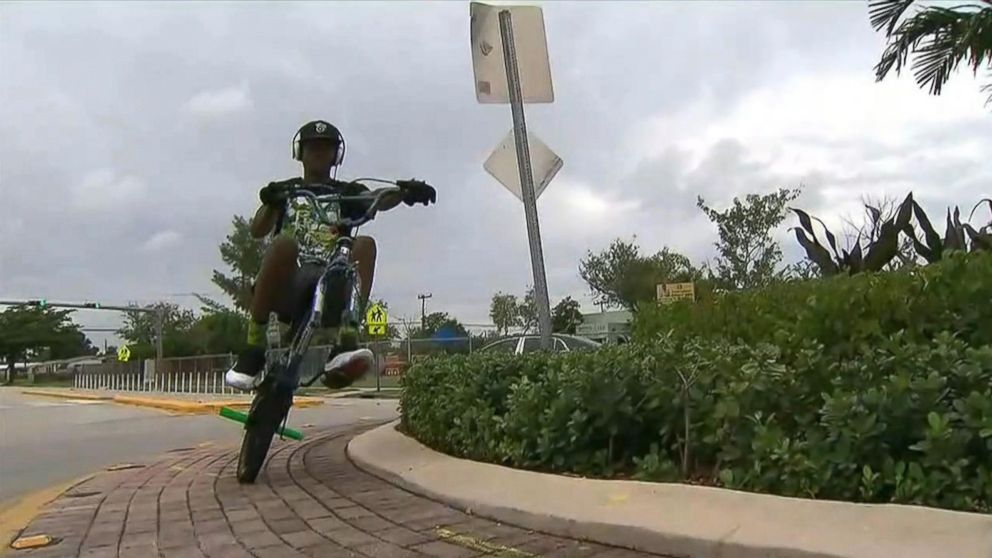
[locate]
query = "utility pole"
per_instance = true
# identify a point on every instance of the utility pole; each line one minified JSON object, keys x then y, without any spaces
{"x":423,"y":310}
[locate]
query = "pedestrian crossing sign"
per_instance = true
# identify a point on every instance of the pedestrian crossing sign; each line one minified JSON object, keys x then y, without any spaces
{"x":377,"y":319}
{"x":124,"y":353}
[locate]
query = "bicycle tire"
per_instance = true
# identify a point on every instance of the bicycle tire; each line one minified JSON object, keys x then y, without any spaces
{"x":267,"y":410}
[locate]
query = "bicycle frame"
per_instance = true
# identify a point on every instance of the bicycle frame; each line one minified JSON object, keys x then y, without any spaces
{"x":339,"y":264}
{"x":338,"y":267}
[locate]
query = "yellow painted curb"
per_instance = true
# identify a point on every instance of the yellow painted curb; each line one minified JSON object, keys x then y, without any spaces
{"x":66,"y":394}
{"x":16,"y":516}
{"x":203,"y":407}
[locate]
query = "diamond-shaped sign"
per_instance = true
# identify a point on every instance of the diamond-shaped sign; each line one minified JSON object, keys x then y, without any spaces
{"x":502,"y":164}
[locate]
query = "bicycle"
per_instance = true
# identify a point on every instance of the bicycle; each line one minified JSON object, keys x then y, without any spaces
{"x":333,"y":302}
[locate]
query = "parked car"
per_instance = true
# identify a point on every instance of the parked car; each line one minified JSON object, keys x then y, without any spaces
{"x":528,"y":343}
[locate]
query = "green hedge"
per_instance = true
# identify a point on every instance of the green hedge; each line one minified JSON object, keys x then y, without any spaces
{"x":883,"y":413}
{"x":843,"y":312}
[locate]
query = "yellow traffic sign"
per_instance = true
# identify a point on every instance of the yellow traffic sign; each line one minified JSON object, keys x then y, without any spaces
{"x":377,"y":315}
{"x":123,"y":353}
{"x":377,"y":330}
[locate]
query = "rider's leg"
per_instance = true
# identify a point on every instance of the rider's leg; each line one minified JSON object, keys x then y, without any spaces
{"x":278,"y":267}
{"x":350,"y":363}
{"x":363,"y":252}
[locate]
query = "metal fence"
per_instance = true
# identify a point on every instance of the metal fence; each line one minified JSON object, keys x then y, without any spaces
{"x":180,"y":382}
{"x":204,"y":374}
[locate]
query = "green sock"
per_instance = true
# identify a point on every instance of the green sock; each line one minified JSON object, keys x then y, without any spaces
{"x":348,"y":339}
{"x":256,"y":333}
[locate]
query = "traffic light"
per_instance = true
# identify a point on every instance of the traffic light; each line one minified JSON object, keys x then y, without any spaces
{"x":39,"y":303}
{"x":92,"y":305}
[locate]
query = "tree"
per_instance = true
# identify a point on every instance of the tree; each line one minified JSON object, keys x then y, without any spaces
{"x":30,"y":332}
{"x":747,"y":253}
{"x":243,"y":255}
{"x":504,"y":312}
{"x":218,"y":329}
{"x":566,"y":316}
{"x":527,"y":310}
{"x":939,"y":38}
{"x":139,"y":331}
{"x":621,"y":276}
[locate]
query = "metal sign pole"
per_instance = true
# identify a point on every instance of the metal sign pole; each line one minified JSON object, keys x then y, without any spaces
{"x":526,"y":178}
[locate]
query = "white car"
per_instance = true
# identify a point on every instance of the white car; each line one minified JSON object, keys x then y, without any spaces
{"x":519,"y":344}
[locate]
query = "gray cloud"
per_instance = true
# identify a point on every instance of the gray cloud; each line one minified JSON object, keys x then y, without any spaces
{"x":130,"y":134}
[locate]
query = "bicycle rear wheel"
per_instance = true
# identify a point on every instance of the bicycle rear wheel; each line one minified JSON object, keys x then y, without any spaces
{"x":268,"y":409}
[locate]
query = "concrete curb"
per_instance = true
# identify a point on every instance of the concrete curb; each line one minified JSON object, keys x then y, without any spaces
{"x":203,"y":407}
{"x":671,"y":519}
{"x":173,"y":405}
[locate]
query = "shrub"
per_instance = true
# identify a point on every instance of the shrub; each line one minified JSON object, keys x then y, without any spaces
{"x":840,"y":395}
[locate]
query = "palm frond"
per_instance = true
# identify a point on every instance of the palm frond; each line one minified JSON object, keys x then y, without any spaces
{"x":885,"y":14}
{"x":962,"y":36}
{"x":941,"y":38}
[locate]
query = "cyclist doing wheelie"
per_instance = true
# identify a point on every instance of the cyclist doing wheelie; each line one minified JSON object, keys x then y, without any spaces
{"x":320,"y":148}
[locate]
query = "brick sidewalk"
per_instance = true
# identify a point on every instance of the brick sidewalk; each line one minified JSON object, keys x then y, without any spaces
{"x":309,"y":501}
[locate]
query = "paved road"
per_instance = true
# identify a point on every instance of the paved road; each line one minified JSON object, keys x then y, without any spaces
{"x":45,"y":441}
{"x":310,"y":500}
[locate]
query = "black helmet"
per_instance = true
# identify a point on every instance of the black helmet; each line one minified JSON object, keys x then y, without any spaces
{"x":318,"y":129}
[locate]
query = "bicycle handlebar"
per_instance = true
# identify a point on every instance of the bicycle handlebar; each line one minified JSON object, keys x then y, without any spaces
{"x":306,"y":191}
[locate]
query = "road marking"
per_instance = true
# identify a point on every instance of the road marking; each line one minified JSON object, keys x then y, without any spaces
{"x":491,"y":549}
{"x":63,"y":403}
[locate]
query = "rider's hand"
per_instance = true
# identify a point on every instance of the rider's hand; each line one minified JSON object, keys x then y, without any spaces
{"x":417,"y":191}
{"x":275,"y":193}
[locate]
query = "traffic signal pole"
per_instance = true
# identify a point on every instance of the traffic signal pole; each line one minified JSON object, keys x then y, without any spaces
{"x":158,"y":311}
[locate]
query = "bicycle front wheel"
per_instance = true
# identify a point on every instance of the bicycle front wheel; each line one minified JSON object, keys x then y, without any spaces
{"x":268,"y":409}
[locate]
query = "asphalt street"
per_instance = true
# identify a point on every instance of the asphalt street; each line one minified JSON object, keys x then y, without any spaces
{"x":45,"y":441}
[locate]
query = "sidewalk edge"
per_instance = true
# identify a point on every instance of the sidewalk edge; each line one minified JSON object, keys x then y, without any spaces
{"x":670,"y":519}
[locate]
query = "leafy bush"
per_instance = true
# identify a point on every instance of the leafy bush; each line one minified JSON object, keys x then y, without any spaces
{"x":843,"y":312}
{"x":874,"y":388}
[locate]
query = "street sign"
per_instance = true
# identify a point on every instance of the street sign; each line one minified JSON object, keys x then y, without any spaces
{"x":502,"y":164}
{"x":377,"y":319}
{"x":489,"y":65}
{"x":670,"y":292}
{"x":123,"y":353}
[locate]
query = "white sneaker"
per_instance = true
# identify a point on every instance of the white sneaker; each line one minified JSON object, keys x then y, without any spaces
{"x":348,"y":367}
{"x":237,"y":380}
{"x":352,"y":363}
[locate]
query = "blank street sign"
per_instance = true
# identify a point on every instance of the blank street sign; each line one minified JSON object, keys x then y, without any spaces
{"x":531,"y":44}
{"x":502,"y":164}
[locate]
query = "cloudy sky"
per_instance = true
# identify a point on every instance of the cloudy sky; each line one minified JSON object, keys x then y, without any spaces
{"x":131,"y":134}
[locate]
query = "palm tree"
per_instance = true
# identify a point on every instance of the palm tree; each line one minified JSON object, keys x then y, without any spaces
{"x":940,"y":38}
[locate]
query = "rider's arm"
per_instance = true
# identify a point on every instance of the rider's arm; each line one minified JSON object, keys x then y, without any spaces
{"x":265,"y":220}
{"x":390,"y":201}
